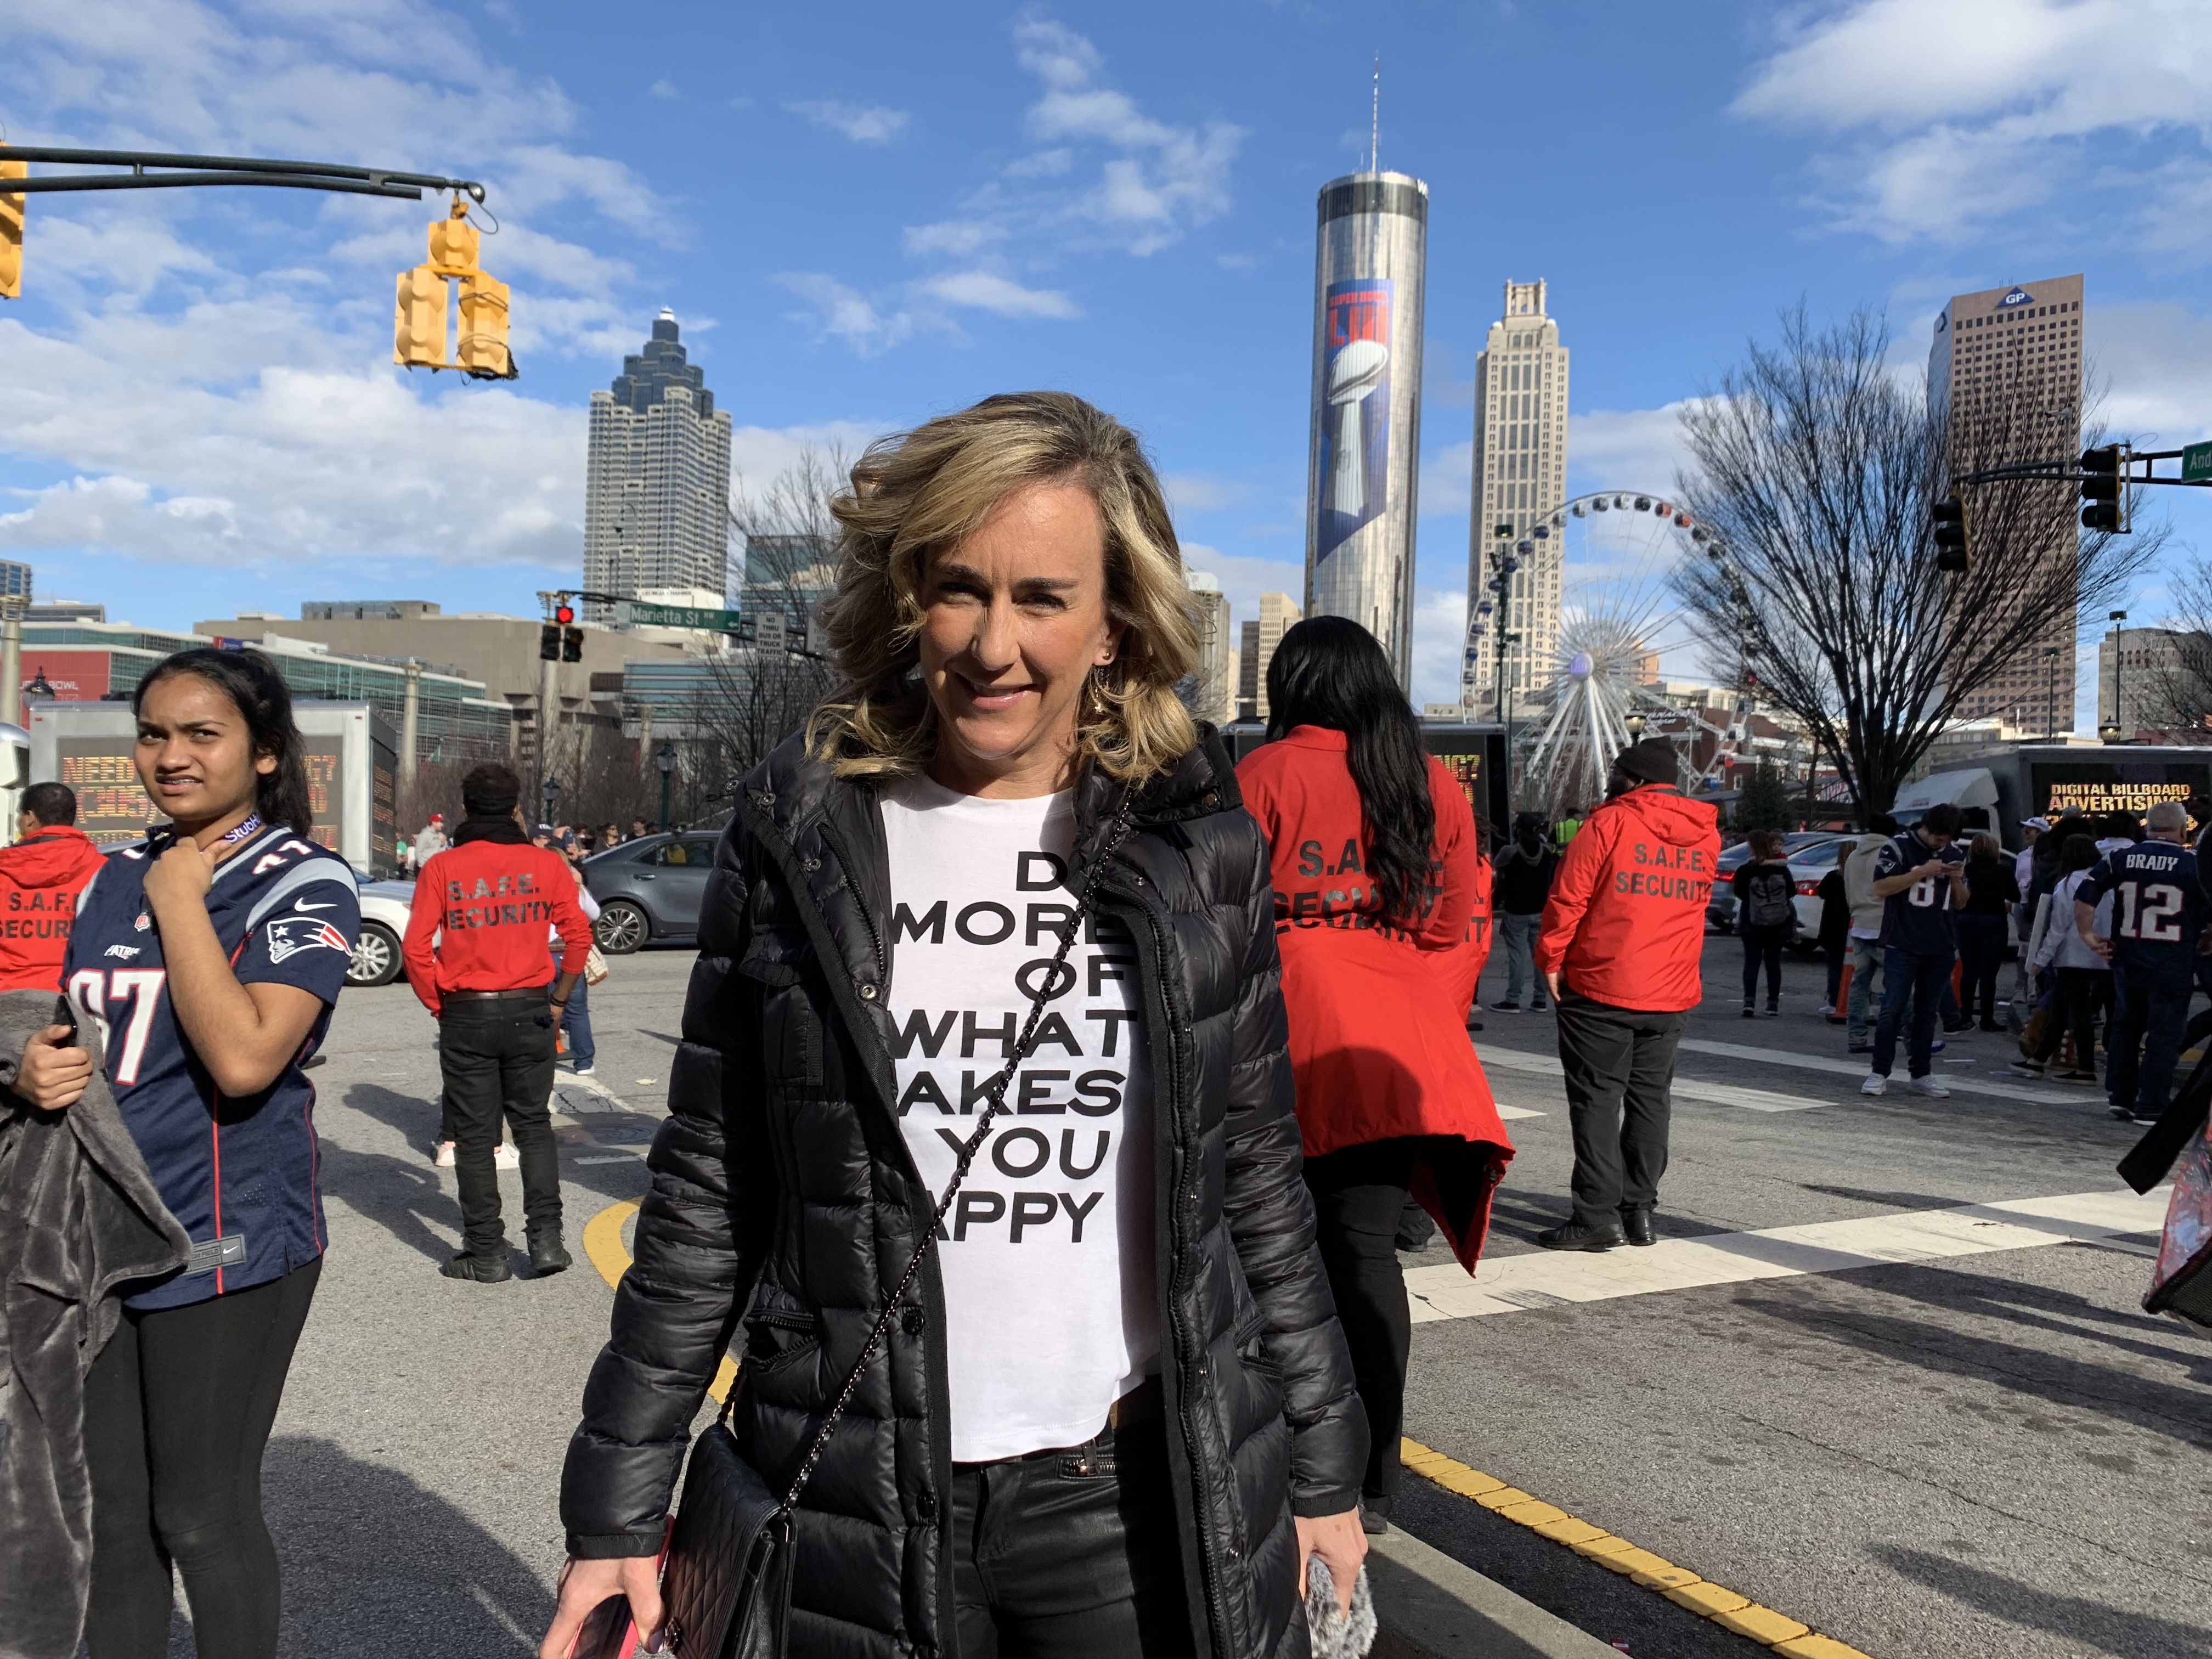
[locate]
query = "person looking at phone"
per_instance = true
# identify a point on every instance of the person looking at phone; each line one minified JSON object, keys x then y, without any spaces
{"x":1117,"y":1407}
{"x":209,"y":957}
{"x":1921,"y":878}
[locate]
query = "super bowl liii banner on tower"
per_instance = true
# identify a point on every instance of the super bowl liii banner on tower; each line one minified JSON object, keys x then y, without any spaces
{"x":1355,"y":453}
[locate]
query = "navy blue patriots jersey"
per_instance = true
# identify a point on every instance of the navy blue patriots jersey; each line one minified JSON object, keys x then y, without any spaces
{"x":239,"y":1174}
{"x":2159,"y":905}
{"x":1920,"y":919}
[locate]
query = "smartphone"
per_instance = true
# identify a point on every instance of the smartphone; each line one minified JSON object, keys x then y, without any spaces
{"x":608,"y":1631}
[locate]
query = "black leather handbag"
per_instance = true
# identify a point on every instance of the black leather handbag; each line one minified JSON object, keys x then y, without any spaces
{"x":726,"y":1587}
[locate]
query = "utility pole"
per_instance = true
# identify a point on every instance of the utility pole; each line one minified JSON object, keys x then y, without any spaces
{"x":410,"y":719}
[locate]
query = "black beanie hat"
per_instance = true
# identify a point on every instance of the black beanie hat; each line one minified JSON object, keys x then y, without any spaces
{"x":490,"y":791}
{"x":1651,"y":760}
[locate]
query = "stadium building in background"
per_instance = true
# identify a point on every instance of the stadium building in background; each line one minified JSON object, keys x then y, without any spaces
{"x":657,"y":482}
{"x":2005,"y":371}
{"x":1364,"y":452}
{"x":1520,"y":479}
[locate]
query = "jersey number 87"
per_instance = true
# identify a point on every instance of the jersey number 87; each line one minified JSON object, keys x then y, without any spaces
{"x":91,"y":989}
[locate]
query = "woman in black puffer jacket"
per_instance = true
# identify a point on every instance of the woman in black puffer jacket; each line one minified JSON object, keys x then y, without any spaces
{"x":1113,"y":1428}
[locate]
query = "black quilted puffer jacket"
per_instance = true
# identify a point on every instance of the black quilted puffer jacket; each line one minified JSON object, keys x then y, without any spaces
{"x":784,"y":1202}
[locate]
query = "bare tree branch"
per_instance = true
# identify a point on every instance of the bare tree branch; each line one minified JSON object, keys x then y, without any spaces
{"x":1815,"y":469}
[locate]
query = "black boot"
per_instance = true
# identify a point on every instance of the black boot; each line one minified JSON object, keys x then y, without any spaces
{"x":547,"y":1254}
{"x":1635,"y":1223}
{"x":484,"y":1269}
{"x":1570,"y":1236}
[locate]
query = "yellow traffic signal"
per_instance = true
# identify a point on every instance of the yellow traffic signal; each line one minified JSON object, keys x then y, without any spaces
{"x":483,"y":353}
{"x":419,"y":329}
{"x":418,"y":339}
{"x":11,"y":231}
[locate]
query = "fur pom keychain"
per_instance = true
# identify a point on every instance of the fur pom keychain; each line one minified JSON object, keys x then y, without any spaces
{"x":1338,"y":1634}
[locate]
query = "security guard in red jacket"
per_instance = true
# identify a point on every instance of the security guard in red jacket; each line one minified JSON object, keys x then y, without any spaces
{"x":41,"y":877}
{"x":1623,"y":934}
{"x":477,"y":954}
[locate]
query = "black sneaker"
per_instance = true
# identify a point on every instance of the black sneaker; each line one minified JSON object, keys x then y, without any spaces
{"x":547,"y":1255}
{"x":484,"y":1269}
{"x":1749,"y":1013}
{"x":1505,"y":1008}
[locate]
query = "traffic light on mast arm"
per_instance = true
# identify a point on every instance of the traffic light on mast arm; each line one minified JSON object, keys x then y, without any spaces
{"x":11,"y":231}
{"x":549,"y":642}
{"x":1949,"y":521}
{"x":2104,"y":491}
{"x":419,"y":327}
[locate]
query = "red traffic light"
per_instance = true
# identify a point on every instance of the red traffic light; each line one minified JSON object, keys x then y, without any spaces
{"x":564,"y":614}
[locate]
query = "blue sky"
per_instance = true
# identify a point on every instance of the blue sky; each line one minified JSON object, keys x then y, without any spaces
{"x":865,"y":214}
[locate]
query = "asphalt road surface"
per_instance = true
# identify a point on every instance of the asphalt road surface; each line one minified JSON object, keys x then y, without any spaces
{"x":1886,"y":1373}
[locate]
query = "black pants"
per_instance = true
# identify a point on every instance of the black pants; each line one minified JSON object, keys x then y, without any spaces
{"x":1359,"y":1205}
{"x":1619,"y":1064}
{"x":497,"y":1057}
{"x":1838,"y":952}
{"x":176,"y":1412}
{"x":1070,"y":1554}
{"x":2150,"y":1013}
{"x":2082,"y":992}
{"x":1763,"y":946}
{"x":1982,"y":951}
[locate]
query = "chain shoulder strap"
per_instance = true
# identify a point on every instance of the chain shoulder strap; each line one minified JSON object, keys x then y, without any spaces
{"x":995,"y":1093}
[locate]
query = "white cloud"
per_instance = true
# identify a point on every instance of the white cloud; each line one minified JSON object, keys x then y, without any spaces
{"x":864,"y":123}
{"x":1162,"y":180}
{"x":959,"y":239}
{"x":1439,"y":633}
{"x":664,"y":89}
{"x":1626,"y":449}
{"x":984,"y":290}
{"x":1195,"y":492}
{"x":1960,"y":114}
{"x":843,"y":312}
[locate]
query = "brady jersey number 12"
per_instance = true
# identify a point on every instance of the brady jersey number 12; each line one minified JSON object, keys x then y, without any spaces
{"x":2159,"y":904}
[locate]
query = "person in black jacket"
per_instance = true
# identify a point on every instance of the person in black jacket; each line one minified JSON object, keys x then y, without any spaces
{"x":1991,"y":891}
{"x":1766,"y":916}
{"x":1117,"y":1415}
{"x":1835,"y":935}
{"x":1521,"y":881}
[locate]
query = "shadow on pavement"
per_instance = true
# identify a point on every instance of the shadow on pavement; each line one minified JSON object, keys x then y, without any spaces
{"x":1895,"y":1200}
{"x":2098,"y":1626}
{"x":2117,"y":1390}
{"x":376,"y":1564}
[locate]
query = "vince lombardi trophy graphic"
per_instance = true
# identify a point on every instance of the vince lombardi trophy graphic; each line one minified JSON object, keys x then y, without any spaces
{"x":1365,"y":440}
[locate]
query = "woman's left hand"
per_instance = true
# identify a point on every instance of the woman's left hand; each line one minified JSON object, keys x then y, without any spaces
{"x":180,"y":876}
{"x":1338,"y":1540}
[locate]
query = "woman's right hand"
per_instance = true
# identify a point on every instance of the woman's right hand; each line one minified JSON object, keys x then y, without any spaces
{"x":585,"y":1584}
{"x":55,"y":1072}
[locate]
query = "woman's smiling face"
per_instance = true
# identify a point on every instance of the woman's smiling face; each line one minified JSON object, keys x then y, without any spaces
{"x":1014,"y":620}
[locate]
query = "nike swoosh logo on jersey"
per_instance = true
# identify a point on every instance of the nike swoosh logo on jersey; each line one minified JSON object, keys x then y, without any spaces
{"x":302,"y":904}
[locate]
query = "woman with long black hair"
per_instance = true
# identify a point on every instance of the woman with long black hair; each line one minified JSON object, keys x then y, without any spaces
{"x":1376,"y":867}
{"x":209,"y":957}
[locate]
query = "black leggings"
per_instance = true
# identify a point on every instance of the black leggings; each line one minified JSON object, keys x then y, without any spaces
{"x":176,"y":1412}
{"x":1359,"y":1197}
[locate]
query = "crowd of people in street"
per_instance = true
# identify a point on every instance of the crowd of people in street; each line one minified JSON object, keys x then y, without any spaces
{"x":1054,"y":1095}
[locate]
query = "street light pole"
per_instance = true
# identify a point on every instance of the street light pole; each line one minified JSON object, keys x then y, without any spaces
{"x":2119,"y":616}
{"x":2050,"y":692}
{"x":665,"y":760}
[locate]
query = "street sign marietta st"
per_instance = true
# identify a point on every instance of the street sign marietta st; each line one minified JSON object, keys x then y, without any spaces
{"x":2196,"y":463}
{"x":636,"y":613}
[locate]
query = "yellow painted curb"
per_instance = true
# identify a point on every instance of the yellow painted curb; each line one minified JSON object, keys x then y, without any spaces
{"x":602,"y":1244}
{"x":1782,"y":1634}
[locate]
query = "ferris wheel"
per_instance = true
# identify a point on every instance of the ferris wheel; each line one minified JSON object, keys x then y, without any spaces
{"x":1620,"y":632}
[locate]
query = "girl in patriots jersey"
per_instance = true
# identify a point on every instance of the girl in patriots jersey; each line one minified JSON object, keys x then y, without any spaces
{"x":208,"y":958}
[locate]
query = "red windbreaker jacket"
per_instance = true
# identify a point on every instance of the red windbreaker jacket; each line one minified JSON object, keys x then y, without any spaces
{"x":490,"y":903}
{"x":1625,"y":921}
{"x":39,"y":880}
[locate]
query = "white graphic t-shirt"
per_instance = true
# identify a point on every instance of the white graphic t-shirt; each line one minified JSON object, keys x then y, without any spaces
{"x":1047,"y":1255}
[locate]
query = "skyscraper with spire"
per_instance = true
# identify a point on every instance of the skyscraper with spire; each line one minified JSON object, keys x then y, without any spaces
{"x":657,"y":481}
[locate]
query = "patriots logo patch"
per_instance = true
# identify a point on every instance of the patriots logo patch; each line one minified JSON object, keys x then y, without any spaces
{"x":289,"y":935}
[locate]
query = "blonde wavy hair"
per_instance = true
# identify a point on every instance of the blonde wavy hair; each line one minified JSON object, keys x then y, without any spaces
{"x":920,"y":492}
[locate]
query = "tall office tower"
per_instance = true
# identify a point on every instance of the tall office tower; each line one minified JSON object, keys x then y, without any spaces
{"x":1209,"y":690}
{"x":657,"y":482}
{"x":1520,"y":479}
{"x":1364,"y":452}
{"x":1256,"y":649}
{"x":2004,"y":374}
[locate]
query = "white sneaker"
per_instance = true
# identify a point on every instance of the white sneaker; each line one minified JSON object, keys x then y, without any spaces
{"x":504,"y":1157}
{"x":443,"y":1156}
{"x":1930,"y":1086}
{"x":583,"y":1070}
{"x":1875,"y":1084}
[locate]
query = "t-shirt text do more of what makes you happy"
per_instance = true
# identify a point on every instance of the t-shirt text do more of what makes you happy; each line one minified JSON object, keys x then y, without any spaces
{"x":1046,"y":1255}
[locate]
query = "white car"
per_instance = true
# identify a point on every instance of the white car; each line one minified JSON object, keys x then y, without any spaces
{"x":384,"y":910}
